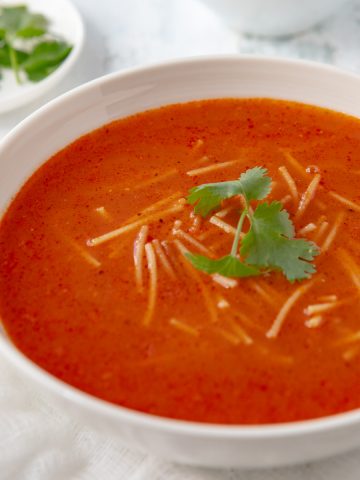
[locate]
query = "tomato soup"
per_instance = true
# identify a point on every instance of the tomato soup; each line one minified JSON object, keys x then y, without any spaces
{"x":96,"y":286}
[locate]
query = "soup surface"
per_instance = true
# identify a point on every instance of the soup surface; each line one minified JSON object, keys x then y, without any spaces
{"x":126,"y":317}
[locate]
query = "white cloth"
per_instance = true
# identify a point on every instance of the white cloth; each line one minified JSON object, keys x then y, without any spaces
{"x":38,"y":442}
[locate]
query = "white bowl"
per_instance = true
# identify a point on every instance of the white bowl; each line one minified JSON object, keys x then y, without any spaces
{"x":94,"y":104}
{"x":66,"y":22}
{"x":273,"y":17}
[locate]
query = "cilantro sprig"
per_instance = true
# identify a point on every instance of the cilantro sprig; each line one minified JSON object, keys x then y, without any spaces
{"x":270,"y":242}
{"x":26,"y":45}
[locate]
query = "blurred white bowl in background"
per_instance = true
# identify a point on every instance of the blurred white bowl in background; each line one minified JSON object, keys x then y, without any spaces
{"x":273,"y":17}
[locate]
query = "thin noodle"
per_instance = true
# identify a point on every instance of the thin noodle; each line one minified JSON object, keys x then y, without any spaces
{"x":321,"y":230}
{"x":240,"y":332}
{"x":205,"y":235}
{"x":224,"y":281}
{"x":345,"y":201}
{"x":82,"y":252}
{"x":328,"y":298}
{"x":351,"y":267}
{"x":139,"y":250}
{"x":156,"y":205}
{"x":154,"y":180}
{"x":268,"y":297}
{"x":204,"y":159}
{"x":183,"y":327}
{"x":185,"y":236}
{"x":196,"y":222}
{"x":177,"y":224}
{"x":195,"y":275}
{"x":275,"y":328}
{"x":308,"y":195}
{"x":230,"y":337}
{"x":223,"y":303}
{"x":314,"y":322}
{"x":286,"y":199}
{"x":103,"y":212}
{"x":352,"y":338}
{"x":244,"y":319}
{"x":225,"y":211}
{"x":223,"y":225}
{"x":151,"y":261}
{"x":294,"y":163}
{"x":198,"y":145}
{"x":132,"y":226}
{"x":172,"y":257}
{"x":351,"y":353}
{"x":160,"y":203}
{"x":273,"y":357}
{"x":163,"y":259}
{"x":321,"y":307}
{"x":211,"y":168}
{"x":332,"y":234}
{"x":290,"y":182}
{"x":310,"y":227}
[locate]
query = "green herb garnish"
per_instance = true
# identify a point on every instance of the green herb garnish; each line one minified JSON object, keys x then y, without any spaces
{"x":268,"y":245}
{"x":26,"y":45}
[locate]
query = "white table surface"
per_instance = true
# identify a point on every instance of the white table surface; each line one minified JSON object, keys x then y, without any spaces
{"x":123,"y":33}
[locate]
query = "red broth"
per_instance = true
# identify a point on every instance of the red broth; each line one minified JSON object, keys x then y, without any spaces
{"x":200,"y":351}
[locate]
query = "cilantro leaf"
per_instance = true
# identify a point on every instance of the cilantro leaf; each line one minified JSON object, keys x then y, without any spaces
{"x":38,"y":75}
{"x":33,"y":25}
{"x":209,"y":196}
{"x":5,"y":60}
{"x":270,"y":243}
{"x":227,"y":266}
{"x":18,"y":21}
{"x":45,"y":58}
{"x":12,"y":18}
{"x":254,"y":184}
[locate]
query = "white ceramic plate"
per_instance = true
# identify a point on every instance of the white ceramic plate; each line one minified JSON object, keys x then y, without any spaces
{"x":87,"y":107}
{"x":65,"y":21}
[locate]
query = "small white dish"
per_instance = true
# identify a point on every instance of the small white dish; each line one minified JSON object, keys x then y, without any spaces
{"x":273,"y":17}
{"x":66,"y":22}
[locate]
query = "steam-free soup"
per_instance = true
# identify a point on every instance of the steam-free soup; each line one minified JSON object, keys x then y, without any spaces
{"x":97,"y":288}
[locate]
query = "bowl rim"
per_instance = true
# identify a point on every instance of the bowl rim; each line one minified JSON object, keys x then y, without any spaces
{"x":136,"y":418}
